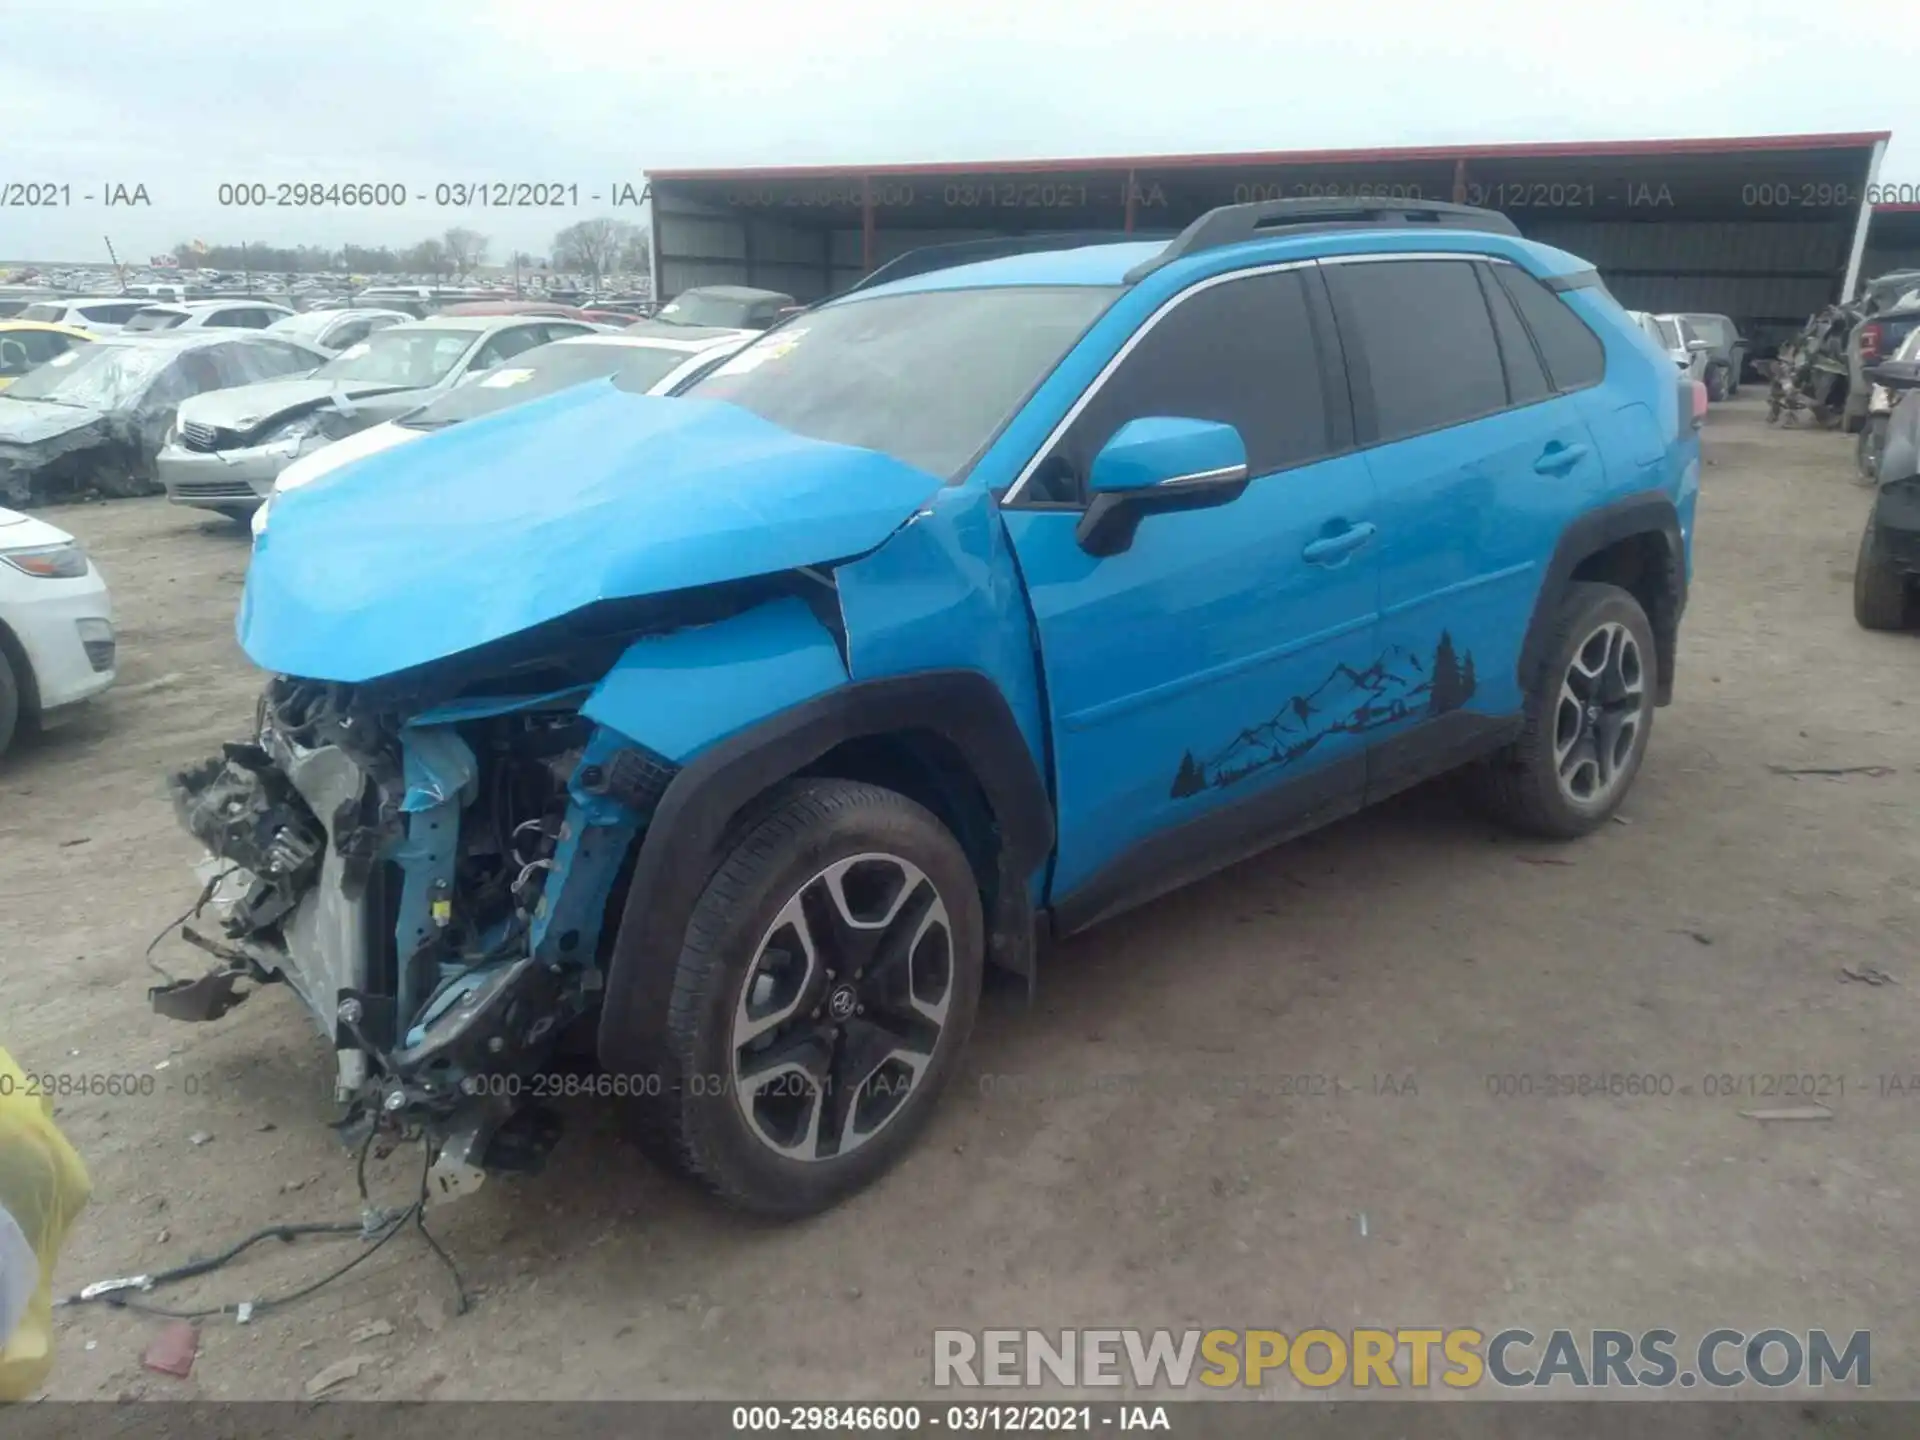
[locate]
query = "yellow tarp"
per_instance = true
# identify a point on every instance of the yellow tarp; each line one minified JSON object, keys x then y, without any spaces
{"x":43,"y":1187}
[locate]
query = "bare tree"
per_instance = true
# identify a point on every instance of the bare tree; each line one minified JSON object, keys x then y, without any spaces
{"x":593,"y":246}
{"x":465,"y":249}
{"x":429,"y":257}
{"x":637,"y":254}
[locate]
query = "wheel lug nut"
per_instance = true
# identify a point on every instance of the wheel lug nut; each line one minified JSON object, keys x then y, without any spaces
{"x":859,"y":1009}
{"x":816,"y":1013}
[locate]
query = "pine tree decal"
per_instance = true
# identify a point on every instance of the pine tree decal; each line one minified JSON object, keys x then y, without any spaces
{"x":1467,"y":685}
{"x":1189,"y":780}
{"x":1449,"y":691}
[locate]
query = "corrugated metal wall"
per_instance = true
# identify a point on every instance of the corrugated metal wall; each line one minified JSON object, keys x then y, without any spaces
{"x":1779,"y":270}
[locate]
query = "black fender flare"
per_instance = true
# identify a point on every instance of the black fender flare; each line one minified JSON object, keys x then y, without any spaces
{"x":1650,"y":512}
{"x":680,"y":848}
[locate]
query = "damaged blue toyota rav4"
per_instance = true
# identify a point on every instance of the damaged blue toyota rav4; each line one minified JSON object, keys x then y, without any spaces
{"x":739,"y":732}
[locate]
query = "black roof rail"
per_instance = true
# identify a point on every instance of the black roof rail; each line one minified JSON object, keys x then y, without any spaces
{"x":1231,"y":224}
{"x":929,"y":258}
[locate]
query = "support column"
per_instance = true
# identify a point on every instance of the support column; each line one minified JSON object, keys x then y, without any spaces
{"x":866,"y":222}
{"x":1130,"y":196}
{"x":1460,"y":181}
{"x":1851,"y":284}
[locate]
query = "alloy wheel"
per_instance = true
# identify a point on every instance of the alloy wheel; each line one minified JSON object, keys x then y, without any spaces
{"x":842,"y":1007}
{"x":1600,"y":714}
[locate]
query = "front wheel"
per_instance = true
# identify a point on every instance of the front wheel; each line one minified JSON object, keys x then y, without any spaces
{"x":1866,"y":450}
{"x":9,"y":703}
{"x":1587,"y":720}
{"x":1882,"y":594}
{"x":821,"y":998}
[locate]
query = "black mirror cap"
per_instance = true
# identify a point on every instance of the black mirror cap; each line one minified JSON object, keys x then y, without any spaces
{"x":1112,"y":517}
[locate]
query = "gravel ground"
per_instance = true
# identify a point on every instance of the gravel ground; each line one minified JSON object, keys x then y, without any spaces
{"x":1132,"y":1149}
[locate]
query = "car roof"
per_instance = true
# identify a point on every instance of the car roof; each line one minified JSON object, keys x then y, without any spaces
{"x":189,"y":339}
{"x":656,"y":341}
{"x":72,"y":300}
{"x":738,"y":292}
{"x":1121,"y":262}
{"x":475,"y":323}
{"x":47,"y":325}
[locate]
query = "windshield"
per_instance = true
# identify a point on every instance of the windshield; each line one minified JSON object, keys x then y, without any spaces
{"x":156,"y":320}
{"x":927,"y":378}
{"x":699,"y":307}
{"x":402,"y":356}
{"x":542,"y":371}
{"x":100,"y":376}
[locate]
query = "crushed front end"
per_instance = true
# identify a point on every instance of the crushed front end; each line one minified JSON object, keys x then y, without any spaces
{"x":434,"y":881}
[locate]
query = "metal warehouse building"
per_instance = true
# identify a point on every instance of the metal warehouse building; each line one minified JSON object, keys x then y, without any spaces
{"x":1765,"y":229}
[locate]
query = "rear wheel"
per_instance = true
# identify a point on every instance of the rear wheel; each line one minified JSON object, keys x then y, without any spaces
{"x":1882,"y":593}
{"x":823,"y":993}
{"x":1718,"y":386}
{"x":1586,"y":723}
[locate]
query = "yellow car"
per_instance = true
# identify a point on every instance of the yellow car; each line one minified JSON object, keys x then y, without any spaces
{"x":25,"y":344}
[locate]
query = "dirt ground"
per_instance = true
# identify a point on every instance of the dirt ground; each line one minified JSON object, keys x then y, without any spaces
{"x":1125,"y":1152}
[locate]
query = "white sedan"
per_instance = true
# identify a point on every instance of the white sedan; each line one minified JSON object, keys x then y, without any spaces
{"x":56,"y":624}
{"x":653,"y":364}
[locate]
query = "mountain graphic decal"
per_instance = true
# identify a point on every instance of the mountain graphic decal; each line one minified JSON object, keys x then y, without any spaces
{"x":1397,"y":686}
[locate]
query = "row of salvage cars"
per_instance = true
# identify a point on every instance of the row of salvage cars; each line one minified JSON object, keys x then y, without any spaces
{"x":221,"y":418}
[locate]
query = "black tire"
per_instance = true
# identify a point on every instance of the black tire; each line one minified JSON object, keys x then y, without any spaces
{"x":9,"y":702}
{"x":1866,"y":449}
{"x":1882,"y":594}
{"x":1717,"y":386}
{"x":697,"y":1123}
{"x":1521,"y":785}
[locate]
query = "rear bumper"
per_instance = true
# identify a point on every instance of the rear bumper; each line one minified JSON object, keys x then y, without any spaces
{"x":222,"y":480}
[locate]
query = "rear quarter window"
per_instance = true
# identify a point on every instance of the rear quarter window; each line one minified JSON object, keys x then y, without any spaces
{"x":1573,"y":354}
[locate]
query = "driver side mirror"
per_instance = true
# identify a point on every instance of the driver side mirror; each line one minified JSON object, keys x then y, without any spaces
{"x":1154,"y":464}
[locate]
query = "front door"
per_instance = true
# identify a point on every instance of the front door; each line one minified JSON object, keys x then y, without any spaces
{"x":1210,"y":687}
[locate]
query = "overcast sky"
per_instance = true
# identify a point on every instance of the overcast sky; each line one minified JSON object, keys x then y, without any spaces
{"x":181,"y":96}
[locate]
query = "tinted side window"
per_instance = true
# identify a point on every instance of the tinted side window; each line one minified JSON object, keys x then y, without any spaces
{"x":1573,"y":353}
{"x":351,"y":333}
{"x":1427,"y":341}
{"x":1526,"y":380}
{"x":1242,"y":352}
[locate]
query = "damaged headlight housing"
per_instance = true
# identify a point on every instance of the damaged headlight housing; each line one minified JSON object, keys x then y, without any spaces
{"x":66,"y":561}
{"x":293,"y":436}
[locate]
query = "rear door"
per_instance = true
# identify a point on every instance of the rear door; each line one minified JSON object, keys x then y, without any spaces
{"x":1478,"y":464}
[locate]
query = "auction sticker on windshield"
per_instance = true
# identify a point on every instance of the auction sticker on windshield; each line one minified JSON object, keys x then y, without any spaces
{"x":501,"y":379}
{"x":761,"y":351}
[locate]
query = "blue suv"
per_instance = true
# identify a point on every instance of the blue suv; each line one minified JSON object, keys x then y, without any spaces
{"x":729,"y":737}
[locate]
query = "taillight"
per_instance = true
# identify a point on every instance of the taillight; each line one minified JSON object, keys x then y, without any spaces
{"x":1870,"y":337}
{"x":1693,"y":404}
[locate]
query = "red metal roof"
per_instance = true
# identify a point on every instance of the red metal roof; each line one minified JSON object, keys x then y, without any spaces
{"x":1859,"y":140}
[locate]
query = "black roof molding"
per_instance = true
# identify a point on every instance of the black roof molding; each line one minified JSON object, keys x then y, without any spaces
{"x":1232,"y":224}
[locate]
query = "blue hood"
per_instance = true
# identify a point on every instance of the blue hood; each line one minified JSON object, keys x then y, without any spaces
{"x":491,"y":527}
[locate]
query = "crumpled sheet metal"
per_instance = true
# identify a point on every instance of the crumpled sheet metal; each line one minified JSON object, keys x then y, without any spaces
{"x":486,"y":529}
